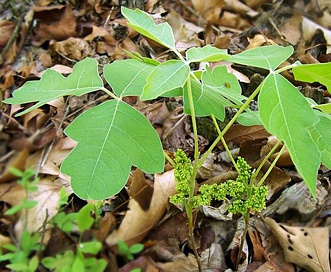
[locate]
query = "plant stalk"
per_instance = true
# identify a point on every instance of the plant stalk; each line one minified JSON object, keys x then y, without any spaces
{"x":189,"y":208}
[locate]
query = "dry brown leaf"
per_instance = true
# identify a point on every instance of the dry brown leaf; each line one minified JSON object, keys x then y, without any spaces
{"x":276,"y":180}
{"x":188,"y":263}
{"x":258,"y":250}
{"x":73,"y":48}
{"x":285,"y":158}
{"x":17,"y":161}
{"x":306,"y":247}
{"x":185,"y":32}
{"x":258,"y":41}
{"x":210,"y":10}
{"x":6,"y":30}
{"x":254,"y":3}
{"x":51,"y":163}
{"x":140,"y":189}
{"x":240,"y":8}
{"x":137,"y":222}
{"x":309,"y":29}
{"x":239,"y":134}
{"x":12,"y":193}
{"x":55,"y":22}
{"x":62,"y":69}
{"x":291,"y":29}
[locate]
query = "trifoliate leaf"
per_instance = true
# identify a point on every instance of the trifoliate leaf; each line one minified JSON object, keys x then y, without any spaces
{"x":111,"y":138}
{"x":83,"y":79}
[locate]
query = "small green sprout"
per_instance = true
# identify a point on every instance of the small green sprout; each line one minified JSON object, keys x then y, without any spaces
{"x":129,"y":251}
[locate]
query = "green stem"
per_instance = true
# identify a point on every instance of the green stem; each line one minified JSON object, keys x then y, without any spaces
{"x":271,"y":166}
{"x":189,"y":207}
{"x":109,"y":93}
{"x":225,"y":144}
{"x":287,"y":67}
{"x":254,"y":175}
{"x":227,"y":127}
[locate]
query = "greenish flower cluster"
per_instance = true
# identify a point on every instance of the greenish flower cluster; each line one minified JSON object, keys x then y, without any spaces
{"x":244,"y":196}
{"x":183,"y":174}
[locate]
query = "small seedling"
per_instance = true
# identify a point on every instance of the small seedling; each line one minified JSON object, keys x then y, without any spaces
{"x":129,"y":251}
{"x":22,"y":256}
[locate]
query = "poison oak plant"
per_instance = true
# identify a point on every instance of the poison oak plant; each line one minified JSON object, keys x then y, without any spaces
{"x":113,"y":136}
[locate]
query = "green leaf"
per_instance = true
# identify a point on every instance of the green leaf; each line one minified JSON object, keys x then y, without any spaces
{"x":224,"y":82}
{"x":326,"y":108}
{"x":78,"y":265}
{"x":83,"y":79}
{"x":318,"y":72}
{"x":136,"y":248}
{"x":167,"y":76}
{"x":268,"y":57}
{"x":287,"y":114}
{"x":18,"y":267}
{"x":84,"y":218}
{"x":144,"y":24}
{"x":65,"y":221}
{"x":206,"y":54}
{"x":123,"y":247}
{"x":111,"y":138}
{"x":320,"y":134}
{"x":206,"y":101}
{"x":33,"y":263}
{"x":214,"y":94}
{"x":92,"y":247}
{"x":173,"y":93}
{"x":127,"y":77}
{"x":249,"y":118}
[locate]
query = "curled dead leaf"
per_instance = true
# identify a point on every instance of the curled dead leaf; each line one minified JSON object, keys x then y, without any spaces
{"x":306,"y":247}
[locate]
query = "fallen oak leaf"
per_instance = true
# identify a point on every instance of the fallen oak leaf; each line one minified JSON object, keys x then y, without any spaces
{"x":306,"y":247}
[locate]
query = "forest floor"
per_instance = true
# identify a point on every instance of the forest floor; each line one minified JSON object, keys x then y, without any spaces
{"x":48,"y":34}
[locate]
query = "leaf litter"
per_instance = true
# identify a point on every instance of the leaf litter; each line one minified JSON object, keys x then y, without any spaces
{"x":67,"y":33}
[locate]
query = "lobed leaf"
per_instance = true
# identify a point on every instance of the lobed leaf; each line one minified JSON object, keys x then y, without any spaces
{"x":207,"y":54}
{"x":267,"y":57}
{"x":165,"y":77}
{"x":287,"y":114}
{"x":111,"y":138}
{"x":133,"y":76}
{"x":144,"y":24}
{"x":318,"y":72}
{"x":53,"y":85}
